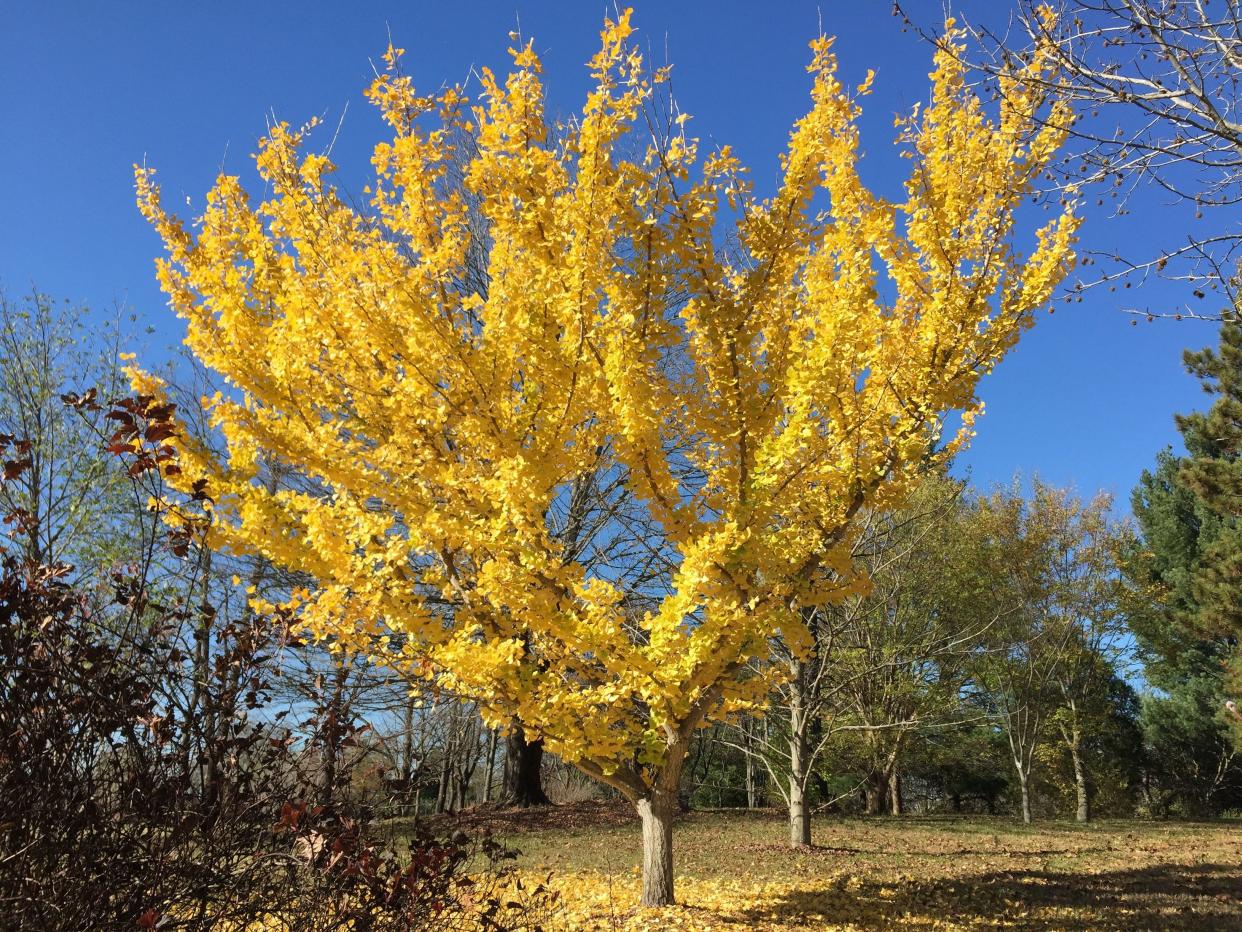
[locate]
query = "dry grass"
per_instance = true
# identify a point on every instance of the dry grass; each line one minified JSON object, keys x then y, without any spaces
{"x":734,"y":872}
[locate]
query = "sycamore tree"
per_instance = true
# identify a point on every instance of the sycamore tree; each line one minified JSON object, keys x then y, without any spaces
{"x":752,"y":401}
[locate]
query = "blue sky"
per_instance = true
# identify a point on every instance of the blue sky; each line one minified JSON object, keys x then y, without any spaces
{"x":88,"y":88}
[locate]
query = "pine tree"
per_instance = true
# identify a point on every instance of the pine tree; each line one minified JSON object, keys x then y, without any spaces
{"x":1188,"y":614}
{"x":1176,"y":528}
{"x":1213,"y":473}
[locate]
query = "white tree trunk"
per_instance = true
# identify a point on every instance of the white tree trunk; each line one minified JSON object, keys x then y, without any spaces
{"x":1026,"y":796}
{"x":752,"y":774}
{"x":799,"y":754}
{"x":799,"y":817}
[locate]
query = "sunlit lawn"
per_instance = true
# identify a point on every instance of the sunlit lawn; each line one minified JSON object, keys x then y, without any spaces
{"x":734,"y":872}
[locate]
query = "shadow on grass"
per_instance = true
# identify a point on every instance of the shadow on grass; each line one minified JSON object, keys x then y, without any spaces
{"x":779,"y":849}
{"x":1171,"y":896}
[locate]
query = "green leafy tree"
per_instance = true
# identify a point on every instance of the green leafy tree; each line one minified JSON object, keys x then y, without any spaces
{"x":1176,"y":529}
{"x":902,"y":658}
{"x":1084,"y":592}
{"x":1018,"y":669}
{"x":967,"y":764}
{"x":1190,"y":763}
{"x":1096,"y":766}
{"x":70,"y":505}
{"x":883,"y":662}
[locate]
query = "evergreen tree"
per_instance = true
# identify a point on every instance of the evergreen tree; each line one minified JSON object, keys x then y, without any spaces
{"x":1213,"y":473}
{"x":1177,"y":529}
{"x":1191,"y":764}
{"x":1187,"y":618}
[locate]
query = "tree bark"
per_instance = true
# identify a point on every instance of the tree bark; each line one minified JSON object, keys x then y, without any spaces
{"x":894,"y":793}
{"x":752,"y":784}
{"x":752,"y":769}
{"x":523,"y":774}
{"x":1026,"y":795}
{"x":799,"y":817}
{"x":442,"y":786}
{"x":656,"y":812}
{"x":1080,"y":780}
{"x":491,"y":766}
{"x":873,"y":791}
{"x":444,"y":793}
{"x":407,"y":752}
{"x":332,"y":734}
{"x":657,"y":805}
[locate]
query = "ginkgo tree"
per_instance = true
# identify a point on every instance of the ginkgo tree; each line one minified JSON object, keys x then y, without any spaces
{"x":749,"y":401}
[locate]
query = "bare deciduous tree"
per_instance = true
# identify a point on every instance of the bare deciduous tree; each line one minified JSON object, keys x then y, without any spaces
{"x":1156,"y":88}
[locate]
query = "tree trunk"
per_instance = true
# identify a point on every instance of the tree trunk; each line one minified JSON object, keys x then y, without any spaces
{"x":491,"y":766}
{"x":752,"y":769}
{"x":656,"y":812}
{"x":956,"y":801}
{"x":1080,"y":780}
{"x":1026,"y":795}
{"x":799,"y":818}
{"x":873,"y":791}
{"x":442,"y":787}
{"x":407,"y":771}
{"x":657,"y":806}
{"x":523,"y":773}
{"x":450,"y":797}
{"x":894,"y":793}
{"x":332,"y":734}
{"x":467,"y":764}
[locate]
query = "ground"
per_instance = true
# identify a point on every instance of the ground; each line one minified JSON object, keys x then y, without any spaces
{"x":735,"y":872}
